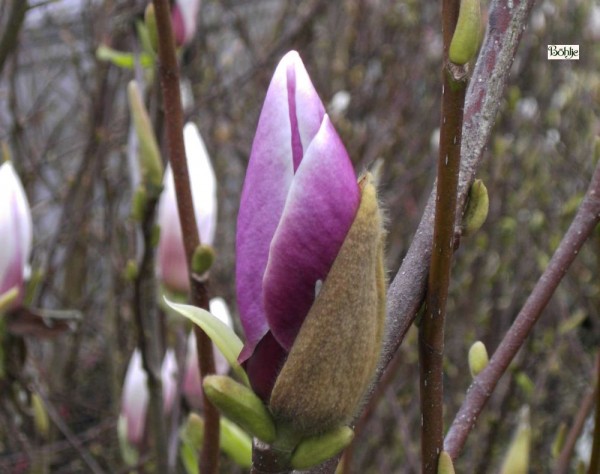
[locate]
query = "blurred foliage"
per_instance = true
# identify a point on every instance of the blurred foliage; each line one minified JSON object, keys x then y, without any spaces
{"x":63,"y":113}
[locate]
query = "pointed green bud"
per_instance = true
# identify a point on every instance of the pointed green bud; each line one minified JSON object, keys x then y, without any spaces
{"x":138,"y":204}
{"x":559,"y":441}
{"x":40,"y":416}
{"x":516,"y":460}
{"x":150,"y":20}
{"x":193,"y":430}
{"x":236,"y":443}
{"x":477,"y":208}
{"x":467,"y":35}
{"x":149,"y":155}
{"x":317,"y":449}
{"x":334,"y":356}
{"x":7,"y":298}
{"x":445,"y":464}
{"x":478,"y":358}
{"x":233,"y":441}
{"x":203,"y":258}
{"x":241,"y":405}
{"x":129,"y":452}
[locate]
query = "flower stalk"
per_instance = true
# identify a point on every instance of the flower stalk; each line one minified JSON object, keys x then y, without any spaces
{"x":169,"y":78}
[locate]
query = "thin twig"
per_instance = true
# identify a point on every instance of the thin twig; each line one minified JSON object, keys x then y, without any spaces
{"x":13,"y":26}
{"x":431,"y":330}
{"x":169,"y":78}
{"x":479,"y":392}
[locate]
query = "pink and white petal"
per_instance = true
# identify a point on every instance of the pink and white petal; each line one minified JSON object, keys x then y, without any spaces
{"x":268,"y":178}
{"x":15,"y":230}
{"x":171,"y":260}
{"x":169,"y":379}
{"x":189,"y":12}
{"x":319,"y":211}
{"x":134,"y":403}
{"x":178,"y":22}
{"x":309,"y":109}
{"x":203,"y":183}
{"x":192,"y":385}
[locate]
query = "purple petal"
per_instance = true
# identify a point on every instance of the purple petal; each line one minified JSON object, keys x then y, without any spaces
{"x":264,"y":365}
{"x":319,"y":211}
{"x":291,"y":112}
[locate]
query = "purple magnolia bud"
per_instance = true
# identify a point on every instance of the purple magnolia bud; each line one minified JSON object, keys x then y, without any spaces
{"x":172,"y":264}
{"x":15,"y":232}
{"x":192,"y":386}
{"x":299,"y":200}
{"x":184,"y":17}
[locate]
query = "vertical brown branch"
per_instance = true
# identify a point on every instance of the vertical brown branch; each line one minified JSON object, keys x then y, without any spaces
{"x":431,"y":331}
{"x":586,"y":219}
{"x":169,"y":78}
{"x":13,"y":26}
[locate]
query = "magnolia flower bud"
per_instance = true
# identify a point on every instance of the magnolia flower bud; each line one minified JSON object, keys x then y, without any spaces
{"x":135,"y":397}
{"x":171,"y":259}
{"x":334,"y":356}
{"x":16,"y":233}
{"x":184,"y":17}
{"x":310,"y":277}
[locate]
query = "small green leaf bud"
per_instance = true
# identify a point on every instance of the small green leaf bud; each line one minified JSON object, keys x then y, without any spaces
{"x":131,"y":270}
{"x":236,"y":443}
{"x":150,"y":20}
{"x":7,"y":298}
{"x":241,"y":405}
{"x":193,"y":430}
{"x":203,"y":258}
{"x":445,"y":464}
{"x":516,"y":460}
{"x":313,"y":451}
{"x":478,"y":358}
{"x":233,"y":440}
{"x":559,"y":441}
{"x":40,"y":416}
{"x":335,"y":353}
{"x":467,"y":35}
{"x":477,"y":208}
{"x":149,"y":155}
{"x":138,"y":204}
